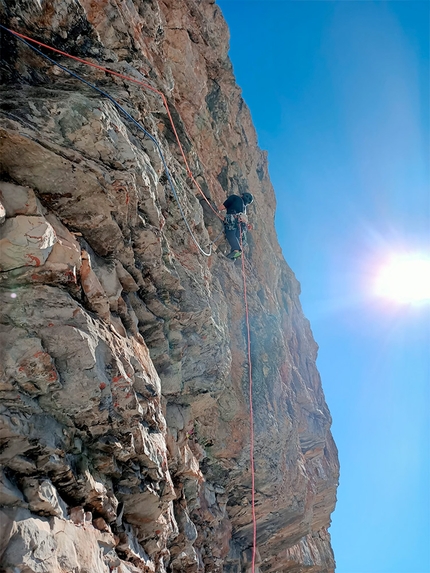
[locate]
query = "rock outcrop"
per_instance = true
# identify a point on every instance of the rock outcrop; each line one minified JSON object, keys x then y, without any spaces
{"x":124,"y":421}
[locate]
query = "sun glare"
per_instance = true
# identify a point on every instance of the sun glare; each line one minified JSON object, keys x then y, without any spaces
{"x":405,"y":279}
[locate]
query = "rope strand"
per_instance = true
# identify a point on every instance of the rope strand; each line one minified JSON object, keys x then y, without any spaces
{"x":137,"y":124}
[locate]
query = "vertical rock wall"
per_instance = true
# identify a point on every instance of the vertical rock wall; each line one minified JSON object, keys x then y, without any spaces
{"x":124,"y":414}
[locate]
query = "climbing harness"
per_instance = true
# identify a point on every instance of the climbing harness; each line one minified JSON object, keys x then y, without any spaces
{"x":232,"y":222}
{"x":138,"y":125}
{"x":228,"y":221}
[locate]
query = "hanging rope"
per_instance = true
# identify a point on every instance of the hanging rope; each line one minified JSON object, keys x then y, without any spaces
{"x":251,"y":410}
{"x":130,"y":79}
{"x":138,"y":125}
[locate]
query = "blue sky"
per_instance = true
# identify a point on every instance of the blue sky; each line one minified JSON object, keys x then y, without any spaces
{"x":339,"y":94}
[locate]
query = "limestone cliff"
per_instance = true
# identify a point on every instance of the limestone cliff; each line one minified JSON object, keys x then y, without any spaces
{"x":124,"y":377}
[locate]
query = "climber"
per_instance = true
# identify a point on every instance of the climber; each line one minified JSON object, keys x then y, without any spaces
{"x":236,"y":222}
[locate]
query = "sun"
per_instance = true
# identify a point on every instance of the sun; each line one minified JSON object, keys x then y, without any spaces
{"x":405,"y":279}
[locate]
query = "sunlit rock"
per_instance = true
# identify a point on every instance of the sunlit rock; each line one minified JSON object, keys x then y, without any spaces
{"x":124,"y":412}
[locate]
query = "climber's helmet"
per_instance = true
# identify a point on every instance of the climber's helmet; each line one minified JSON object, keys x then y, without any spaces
{"x":247,"y":198}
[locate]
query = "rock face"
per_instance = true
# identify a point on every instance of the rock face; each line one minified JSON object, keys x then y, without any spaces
{"x":124,"y":416}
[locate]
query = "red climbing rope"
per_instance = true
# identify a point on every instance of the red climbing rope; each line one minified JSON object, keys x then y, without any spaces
{"x":130,"y":79}
{"x":251,"y":411}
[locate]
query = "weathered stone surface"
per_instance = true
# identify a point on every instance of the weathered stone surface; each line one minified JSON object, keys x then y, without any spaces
{"x":66,"y":250}
{"x":25,"y":363}
{"x":18,"y":200}
{"x":25,"y":241}
{"x":51,"y":545}
{"x":2,"y":213}
{"x":96,"y":296}
{"x":123,"y":374}
{"x":43,"y":498}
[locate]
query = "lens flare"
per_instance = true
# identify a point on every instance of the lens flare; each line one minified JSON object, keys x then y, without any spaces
{"x":405,"y":279}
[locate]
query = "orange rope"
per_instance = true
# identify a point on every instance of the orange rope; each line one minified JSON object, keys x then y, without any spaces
{"x":251,"y":410}
{"x":143,"y":84}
